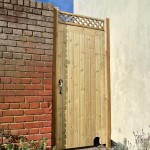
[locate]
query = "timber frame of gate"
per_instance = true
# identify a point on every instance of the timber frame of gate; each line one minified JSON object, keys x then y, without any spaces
{"x":86,"y":22}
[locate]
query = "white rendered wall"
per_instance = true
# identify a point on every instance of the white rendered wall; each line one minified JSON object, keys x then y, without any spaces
{"x":130,"y":61}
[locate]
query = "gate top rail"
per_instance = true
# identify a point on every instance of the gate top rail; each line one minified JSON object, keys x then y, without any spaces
{"x":79,"y":20}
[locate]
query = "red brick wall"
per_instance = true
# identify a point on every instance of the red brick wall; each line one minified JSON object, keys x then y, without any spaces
{"x":26,"y":53}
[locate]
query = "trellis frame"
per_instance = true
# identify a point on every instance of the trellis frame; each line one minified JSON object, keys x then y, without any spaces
{"x":101,"y":25}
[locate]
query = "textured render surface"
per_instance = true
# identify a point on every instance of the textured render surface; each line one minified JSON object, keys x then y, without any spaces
{"x":26,"y":50}
{"x":130,"y":62}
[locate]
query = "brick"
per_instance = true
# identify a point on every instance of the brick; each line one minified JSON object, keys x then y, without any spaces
{"x":23,"y":119}
{"x":37,"y":34}
{"x":24,"y":105}
{"x":47,"y":136}
{"x":47,"y":98}
{"x":15,"y":80}
{"x":26,"y":2}
{"x":13,"y":99}
{"x":45,"y":105}
{"x":26,"y":68}
{"x":32,"y":4}
{"x":48,"y":87}
{"x":3,"y":23}
{"x":42,"y":118}
{"x":3,"y":48}
{"x":43,"y":69}
{"x":35,"y":81}
{"x":36,"y":28}
{"x":35,"y":39}
{"x":1,"y":99}
{"x":15,"y":61}
{"x":36,"y":57}
{"x":33,"y":125}
{"x":24,"y":132}
{"x":34,"y":75}
{"x":13,"y":86}
{"x":26,"y":32}
{"x":47,"y":35}
{"x":17,"y":31}
{"x":34,"y":137}
{"x":34,"y":99}
{"x":8,"y":42}
{"x":25,"y":92}
{"x":47,"y":123}
{"x":49,"y":52}
{"x":27,"y":56}
{"x":3,"y":36}
{"x":0,"y":29}
{"x":17,"y":25}
{"x":4,"y":106}
{"x":1,"y":5}
{"x":47,"y":13}
{"x":1,"y":87}
{"x":7,"y":30}
{"x":6,"y":119}
{"x":26,"y":44}
{"x":47,"y":111}
{"x":47,"y":6}
{"x":48,"y":143}
{"x":25,"y":81}
{"x":2,"y":61}
{"x":43,"y":46}
{"x":50,"y":19}
{"x":16,"y":37}
{"x":20,"y":2}
{"x":49,"y":41}
{"x":45,"y":130}
{"x":13,"y":112}
{"x":44,"y":24}
{"x":18,"y":8}
{"x":33,"y":131}
{"x":8,"y":18}
{"x":7,"y":1}
{"x":34,"y":105}
{"x":16,"y":49}
{"x":36,"y":17}
{"x":34,"y":112}
{"x":39,"y":5}
{"x":7,"y":93}
{"x":26,"y":21}
{"x":16,"y":126}
{"x":37,"y":11}
{"x":35,"y":51}
{"x":17,"y":55}
{"x":44,"y":92}
{"x":28,"y":9}
{"x":7,"y":67}
{"x":14,"y":132}
{"x":14,"y":1}
{"x":8,"y":55}
{"x":8,"y":6}
{"x":1,"y":73}
{"x":3,"y":11}
{"x":14,"y":106}
{"x":47,"y":81}
{"x":34,"y":63}
{"x":51,"y":30}
{"x":34,"y":87}
{"x":47,"y":75}
{"x":5,"y":80}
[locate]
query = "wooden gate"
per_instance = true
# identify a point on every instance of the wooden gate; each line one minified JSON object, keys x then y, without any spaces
{"x":81,"y":95}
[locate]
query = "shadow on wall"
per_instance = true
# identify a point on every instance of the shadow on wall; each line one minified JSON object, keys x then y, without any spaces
{"x":63,"y":5}
{"x":142,"y":142}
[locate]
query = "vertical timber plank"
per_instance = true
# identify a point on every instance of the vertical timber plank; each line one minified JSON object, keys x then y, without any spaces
{"x":107,"y":83}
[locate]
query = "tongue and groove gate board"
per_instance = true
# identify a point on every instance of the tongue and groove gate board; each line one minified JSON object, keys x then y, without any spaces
{"x":82,"y":111}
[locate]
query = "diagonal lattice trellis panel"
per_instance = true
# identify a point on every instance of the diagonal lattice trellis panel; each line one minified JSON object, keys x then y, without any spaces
{"x":80,"y":20}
